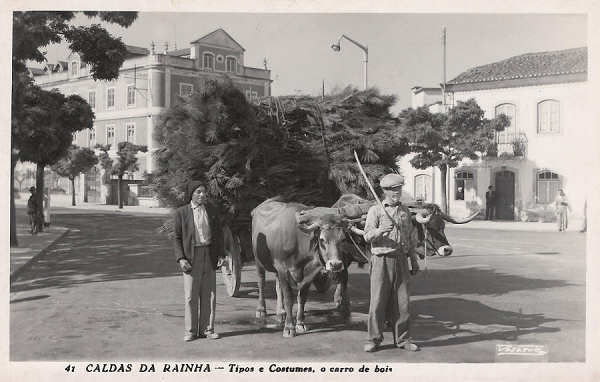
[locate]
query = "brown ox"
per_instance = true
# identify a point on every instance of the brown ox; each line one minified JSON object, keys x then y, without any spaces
{"x":296,"y":247}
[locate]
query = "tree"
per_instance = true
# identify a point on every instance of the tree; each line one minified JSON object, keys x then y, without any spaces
{"x":32,"y":31}
{"x":127,"y":161}
{"x":45,"y":135}
{"x":77,"y":160}
{"x":443,"y":140}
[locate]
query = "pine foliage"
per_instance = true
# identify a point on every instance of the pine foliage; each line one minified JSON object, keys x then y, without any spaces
{"x":300,"y":148}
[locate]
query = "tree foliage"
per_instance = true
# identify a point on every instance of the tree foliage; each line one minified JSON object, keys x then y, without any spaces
{"x":77,"y":160}
{"x":127,"y":160}
{"x":299,"y":148}
{"x":33,"y":30}
{"x":443,"y":140}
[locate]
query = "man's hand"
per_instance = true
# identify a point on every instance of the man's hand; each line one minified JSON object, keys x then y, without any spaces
{"x":185,"y":265}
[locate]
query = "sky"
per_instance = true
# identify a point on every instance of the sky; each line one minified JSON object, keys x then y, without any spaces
{"x":404,"y":49}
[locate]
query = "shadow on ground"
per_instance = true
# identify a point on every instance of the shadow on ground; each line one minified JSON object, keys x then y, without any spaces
{"x":101,"y":247}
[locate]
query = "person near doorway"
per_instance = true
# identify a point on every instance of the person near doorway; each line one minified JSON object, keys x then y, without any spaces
{"x":490,"y":203}
{"x":562,"y":210}
{"x":198,"y":245}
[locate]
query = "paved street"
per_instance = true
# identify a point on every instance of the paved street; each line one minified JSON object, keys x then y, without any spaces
{"x":110,"y":290}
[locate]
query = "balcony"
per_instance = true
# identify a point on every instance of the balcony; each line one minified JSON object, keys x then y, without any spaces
{"x":508,"y":145}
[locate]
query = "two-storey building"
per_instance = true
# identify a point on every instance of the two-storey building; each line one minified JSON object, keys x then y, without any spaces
{"x":149,"y":81}
{"x":545,"y":96}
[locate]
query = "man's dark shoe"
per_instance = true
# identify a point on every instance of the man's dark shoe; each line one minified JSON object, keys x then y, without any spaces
{"x":408,"y":346}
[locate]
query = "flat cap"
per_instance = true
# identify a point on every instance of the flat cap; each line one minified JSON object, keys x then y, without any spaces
{"x":391,"y":181}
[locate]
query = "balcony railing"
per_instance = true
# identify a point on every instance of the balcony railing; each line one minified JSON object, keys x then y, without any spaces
{"x":508,"y":145}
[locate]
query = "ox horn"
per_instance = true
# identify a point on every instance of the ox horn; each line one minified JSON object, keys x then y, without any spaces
{"x":309,"y":227}
{"x":459,"y":221}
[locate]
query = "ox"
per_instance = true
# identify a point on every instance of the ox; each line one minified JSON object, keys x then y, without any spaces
{"x":424,"y":215}
{"x":296,"y":247}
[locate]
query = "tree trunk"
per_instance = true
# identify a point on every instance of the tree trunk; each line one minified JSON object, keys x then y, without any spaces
{"x":72,"y":191}
{"x":444,"y":173}
{"x":39,"y":196}
{"x":14,"y":242}
{"x":119,"y":195}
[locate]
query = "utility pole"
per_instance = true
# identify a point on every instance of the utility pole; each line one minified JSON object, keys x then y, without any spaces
{"x":444,"y":69}
{"x":323,"y":91}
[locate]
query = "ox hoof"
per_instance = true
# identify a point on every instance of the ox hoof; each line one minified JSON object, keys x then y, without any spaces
{"x":289,"y":332}
{"x":301,"y":328}
{"x":261,"y":314}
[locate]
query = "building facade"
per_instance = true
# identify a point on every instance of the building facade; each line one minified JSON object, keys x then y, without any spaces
{"x":149,"y":82}
{"x":546,"y":97}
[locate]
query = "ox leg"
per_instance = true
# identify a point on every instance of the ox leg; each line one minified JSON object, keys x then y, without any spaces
{"x":302,"y":294}
{"x":280,"y":310}
{"x":261,"y":309}
{"x":289,"y":330}
{"x":340,"y":297}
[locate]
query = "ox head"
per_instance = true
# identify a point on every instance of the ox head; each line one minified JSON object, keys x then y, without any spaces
{"x":327,"y":237}
{"x":434,"y":220}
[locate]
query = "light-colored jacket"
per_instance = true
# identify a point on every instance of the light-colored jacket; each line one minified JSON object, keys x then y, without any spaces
{"x":401,"y":240}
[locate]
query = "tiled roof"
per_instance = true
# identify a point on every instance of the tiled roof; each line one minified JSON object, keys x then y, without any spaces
{"x":530,"y":65}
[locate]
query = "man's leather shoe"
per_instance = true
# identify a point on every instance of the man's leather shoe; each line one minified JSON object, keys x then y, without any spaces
{"x":370,"y":347}
{"x":409,"y":346}
{"x":189,"y":337}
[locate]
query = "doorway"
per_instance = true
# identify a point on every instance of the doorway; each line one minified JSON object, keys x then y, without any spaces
{"x":505,"y":195}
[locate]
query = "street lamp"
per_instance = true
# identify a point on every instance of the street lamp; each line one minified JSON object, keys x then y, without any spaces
{"x":337,"y":47}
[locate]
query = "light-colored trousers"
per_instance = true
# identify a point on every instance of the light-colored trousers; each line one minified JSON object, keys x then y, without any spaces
{"x":389,"y":297}
{"x":200,"y":294}
{"x":563,"y":218}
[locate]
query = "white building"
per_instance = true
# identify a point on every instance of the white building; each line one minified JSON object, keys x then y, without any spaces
{"x":546,"y":97}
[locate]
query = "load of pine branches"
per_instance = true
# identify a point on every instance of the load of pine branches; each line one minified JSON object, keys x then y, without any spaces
{"x":300,"y":148}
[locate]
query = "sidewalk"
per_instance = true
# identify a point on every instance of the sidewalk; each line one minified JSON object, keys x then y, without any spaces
{"x":504,"y":225}
{"x":32,"y":246}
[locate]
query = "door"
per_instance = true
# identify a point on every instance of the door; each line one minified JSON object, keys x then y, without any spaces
{"x":505,"y":195}
{"x":92,"y":186}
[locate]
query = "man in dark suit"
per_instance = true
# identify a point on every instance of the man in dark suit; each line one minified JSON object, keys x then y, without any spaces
{"x":198,"y":245}
{"x":490,"y":203}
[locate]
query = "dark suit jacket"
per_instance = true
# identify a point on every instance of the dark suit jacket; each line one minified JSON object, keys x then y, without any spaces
{"x":185,"y":234}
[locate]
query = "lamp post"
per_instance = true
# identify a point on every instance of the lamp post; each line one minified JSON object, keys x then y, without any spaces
{"x":337,"y":47}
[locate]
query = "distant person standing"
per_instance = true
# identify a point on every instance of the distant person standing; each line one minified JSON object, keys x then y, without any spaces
{"x":46,"y":208}
{"x":32,"y":212}
{"x":490,"y":203}
{"x":562,"y":209}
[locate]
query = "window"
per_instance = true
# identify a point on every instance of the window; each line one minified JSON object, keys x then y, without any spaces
{"x":130,"y":132}
{"x":110,"y":98}
{"x":74,"y":68}
{"x":92,"y":138}
{"x":130,"y":95}
{"x":548,"y":184}
{"x":110,"y":136}
{"x":231,"y":64}
{"x":208,"y":61}
{"x":92,"y":99}
{"x":185,"y":89}
{"x":549,"y":116}
{"x":422,"y":187}
{"x":464,"y":186}
{"x":508,"y":109}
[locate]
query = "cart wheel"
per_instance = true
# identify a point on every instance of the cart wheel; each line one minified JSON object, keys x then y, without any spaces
{"x":231,"y":267}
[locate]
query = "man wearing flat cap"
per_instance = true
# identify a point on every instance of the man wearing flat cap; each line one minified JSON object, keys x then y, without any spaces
{"x":391,"y":235}
{"x":198,"y":245}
